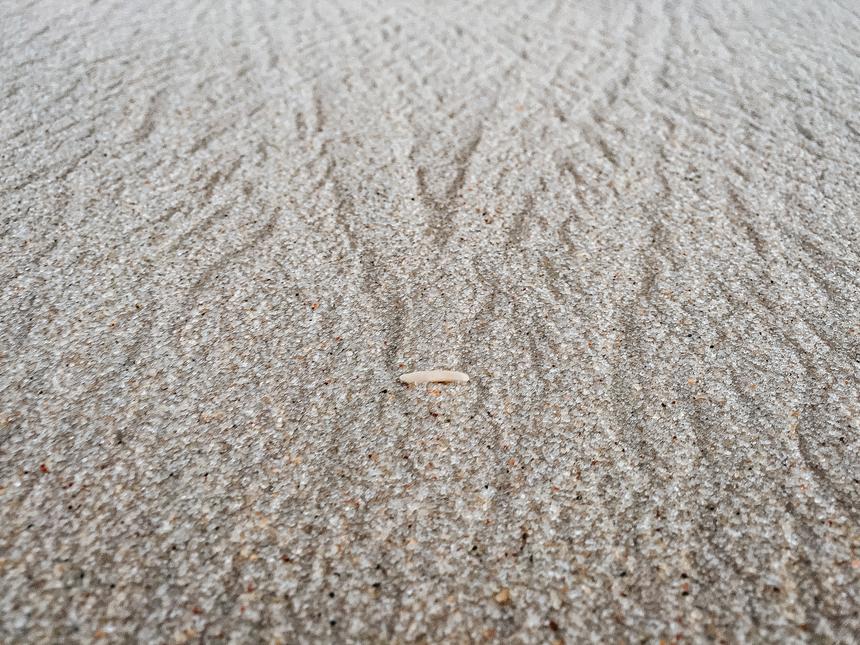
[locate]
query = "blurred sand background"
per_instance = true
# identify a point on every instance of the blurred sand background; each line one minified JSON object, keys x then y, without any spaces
{"x":228,"y":227}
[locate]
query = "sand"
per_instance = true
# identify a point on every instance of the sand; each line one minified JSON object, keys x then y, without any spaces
{"x":228,"y":227}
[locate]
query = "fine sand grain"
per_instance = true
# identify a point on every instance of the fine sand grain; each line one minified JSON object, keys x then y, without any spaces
{"x":227,"y":227}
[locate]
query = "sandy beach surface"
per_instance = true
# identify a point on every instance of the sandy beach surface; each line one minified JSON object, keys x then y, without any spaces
{"x":228,"y":227}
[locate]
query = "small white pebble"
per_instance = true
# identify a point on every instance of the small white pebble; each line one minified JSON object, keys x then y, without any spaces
{"x":434,"y":376}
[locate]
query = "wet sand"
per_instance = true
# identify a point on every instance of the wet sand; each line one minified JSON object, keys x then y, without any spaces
{"x":229,"y":227}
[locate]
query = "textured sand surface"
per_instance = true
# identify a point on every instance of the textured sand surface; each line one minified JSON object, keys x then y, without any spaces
{"x":228,"y":227}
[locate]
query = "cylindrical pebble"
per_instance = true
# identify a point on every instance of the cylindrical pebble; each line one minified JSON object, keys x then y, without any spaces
{"x":434,"y":376}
